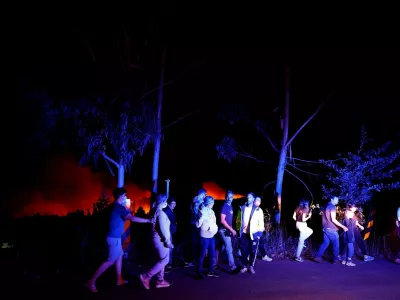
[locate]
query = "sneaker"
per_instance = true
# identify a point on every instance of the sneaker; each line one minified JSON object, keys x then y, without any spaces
{"x":350,"y":264}
{"x":251,"y":270}
{"x":200,"y":275}
{"x":91,"y":286}
{"x":318,"y":259}
{"x":145,"y":281}
{"x":397,"y":261}
{"x":266,"y":258}
{"x":368,"y":258}
{"x":243,"y":270}
{"x":212,"y":274}
{"x":343,"y":262}
{"x":162,"y":284}
{"x":299,"y":259}
{"x":233,"y":268}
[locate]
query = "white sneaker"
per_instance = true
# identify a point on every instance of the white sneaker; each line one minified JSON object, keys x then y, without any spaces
{"x":266,"y":258}
{"x":368,"y":258}
{"x":251,"y":270}
{"x":243,"y":270}
{"x":350,"y":264}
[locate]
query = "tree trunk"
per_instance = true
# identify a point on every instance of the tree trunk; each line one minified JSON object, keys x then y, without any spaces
{"x":157,"y":145}
{"x":121,"y":175}
{"x":283,"y":153}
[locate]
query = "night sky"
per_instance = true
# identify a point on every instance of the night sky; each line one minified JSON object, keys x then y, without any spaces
{"x":362,"y":85}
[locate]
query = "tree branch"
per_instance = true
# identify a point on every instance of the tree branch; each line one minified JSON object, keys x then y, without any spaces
{"x":309,"y":173}
{"x":254,"y":158}
{"x":181,"y":118}
{"x":305,"y":123}
{"x":155,"y":89}
{"x":245,"y":154}
{"x":312,"y":196}
{"x":109,"y":168}
{"x":265,"y":135}
{"x":110,"y":159}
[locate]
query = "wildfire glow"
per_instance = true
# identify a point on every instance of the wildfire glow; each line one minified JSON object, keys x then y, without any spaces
{"x":66,"y":187}
{"x":217,"y":192}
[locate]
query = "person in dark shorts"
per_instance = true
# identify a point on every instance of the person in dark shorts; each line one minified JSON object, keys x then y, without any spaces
{"x":118,"y":215}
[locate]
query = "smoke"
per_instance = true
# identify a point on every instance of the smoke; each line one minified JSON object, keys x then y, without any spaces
{"x":66,"y":187}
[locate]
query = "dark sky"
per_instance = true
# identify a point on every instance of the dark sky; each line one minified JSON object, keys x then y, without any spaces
{"x":363,"y":84}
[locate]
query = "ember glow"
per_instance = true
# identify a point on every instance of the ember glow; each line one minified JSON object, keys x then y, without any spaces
{"x":217,"y":192}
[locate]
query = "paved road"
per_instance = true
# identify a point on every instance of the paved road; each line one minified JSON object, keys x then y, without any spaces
{"x":379,"y":279}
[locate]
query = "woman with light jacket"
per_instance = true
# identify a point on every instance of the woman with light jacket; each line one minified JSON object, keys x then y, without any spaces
{"x":207,"y":223}
{"x":161,"y":242}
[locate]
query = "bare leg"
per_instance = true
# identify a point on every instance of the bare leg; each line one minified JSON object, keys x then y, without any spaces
{"x":118,"y":269}
{"x":91,"y":284}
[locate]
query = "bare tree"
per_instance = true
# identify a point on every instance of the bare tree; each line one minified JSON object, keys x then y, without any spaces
{"x":229,"y":149}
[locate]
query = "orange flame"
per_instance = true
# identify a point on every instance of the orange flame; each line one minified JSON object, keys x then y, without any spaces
{"x":217,"y":192}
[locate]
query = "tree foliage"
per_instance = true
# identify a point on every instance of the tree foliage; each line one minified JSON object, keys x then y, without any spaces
{"x":119,"y":130}
{"x":354,"y":178}
{"x":102,"y":203}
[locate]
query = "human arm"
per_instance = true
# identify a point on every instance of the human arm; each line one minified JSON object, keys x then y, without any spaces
{"x":359,"y":225}
{"x":260,"y":226}
{"x":307,"y":216}
{"x":336,"y":222}
{"x":164,"y":229}
{"x":226,"y":225}
{"x":135,"y":219}
{"x":294,"y":216}
{"x":200,"y":221}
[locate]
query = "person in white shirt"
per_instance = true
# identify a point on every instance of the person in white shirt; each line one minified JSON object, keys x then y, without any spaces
{"x":207,"y":223}
{"x":251,"y":229}
{"x":397,"y":261}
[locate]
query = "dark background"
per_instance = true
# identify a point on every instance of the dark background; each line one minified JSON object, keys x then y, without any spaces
{"x":53,"y":55}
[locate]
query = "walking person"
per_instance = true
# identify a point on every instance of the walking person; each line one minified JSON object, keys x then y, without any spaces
{"x":118,"y":215}
{"x":207,"y":223}
{"x":161,"y":242}
{"x":397,"y":260}
{"x":351,"y":223}
{"x":301,"y":215}
{"x":226,"y":230}
{"x":251,"y":229}
{"x":169,"y":210}
{"x":330,"y":229}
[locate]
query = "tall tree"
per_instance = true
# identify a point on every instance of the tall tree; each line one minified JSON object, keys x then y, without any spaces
{"x":157,"y":143}
{"x":228,"y":148}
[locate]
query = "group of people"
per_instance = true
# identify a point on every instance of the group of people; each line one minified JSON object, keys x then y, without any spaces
{"x":206,"y":231}
{"x":343,"y":245}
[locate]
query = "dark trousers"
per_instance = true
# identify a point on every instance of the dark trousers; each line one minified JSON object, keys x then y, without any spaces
{"x":248,"y":249}
{"x":193,"y":243}
{"x":206,"y":245}
{"x":358,"y":240}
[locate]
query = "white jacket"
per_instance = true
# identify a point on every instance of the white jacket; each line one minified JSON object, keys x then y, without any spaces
{"x":207,"y":223}
{"x":257,"y":221}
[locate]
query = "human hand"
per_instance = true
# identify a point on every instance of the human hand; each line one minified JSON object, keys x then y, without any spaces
{"x":362,"y":227}
{"x":345,"y":229}
{"x":171,"y":246}
{"x":233,"y":232}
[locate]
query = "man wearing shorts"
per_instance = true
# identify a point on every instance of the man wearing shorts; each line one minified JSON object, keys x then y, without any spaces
{"x":119,"y":214}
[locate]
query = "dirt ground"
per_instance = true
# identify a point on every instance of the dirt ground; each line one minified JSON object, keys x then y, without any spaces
{"x":379,"y":279}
